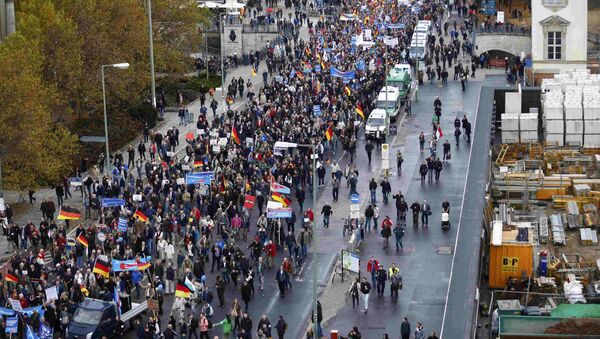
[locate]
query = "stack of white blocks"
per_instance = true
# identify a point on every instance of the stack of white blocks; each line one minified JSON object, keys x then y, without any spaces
{"x":573,"y":115}
{"x":591,"y":116}
{"x":554,"y":118}
{"x":528,"y":127}
{"x":571,"y":102}
{"x":511,"y":118}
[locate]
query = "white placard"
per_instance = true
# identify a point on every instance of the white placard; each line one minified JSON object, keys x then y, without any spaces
{"x":186,"y":158}
{"x":171,"y":154}
{"x":51,"y":294}
{"x":213,"y":141}
{"x":249,"y":141}
{"x":500,"y":17}
{"x":137,"y":197}
{"x":216,"y":148}
{"x":200,"y":131}
{"x":2,"y":205}
{"x":351,"y":261}
{"x":180,"y":181}
{"x":16,"y":305}
{"x":368,"y":34}
{"x":222,"y":141}
{"x":385,"y":164}
{"x":185,"y":167}
{"x":213,"y":134}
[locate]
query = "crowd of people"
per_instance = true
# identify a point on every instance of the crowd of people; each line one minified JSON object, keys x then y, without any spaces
{"x":201,"y":231}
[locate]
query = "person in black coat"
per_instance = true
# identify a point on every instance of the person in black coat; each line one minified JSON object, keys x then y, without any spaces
{"x":246,"y":293}
{"x":281,"y":278}
{"x":405,"y":329}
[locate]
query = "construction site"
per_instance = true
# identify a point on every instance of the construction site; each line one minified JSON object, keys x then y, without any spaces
{"x":540,"y":265}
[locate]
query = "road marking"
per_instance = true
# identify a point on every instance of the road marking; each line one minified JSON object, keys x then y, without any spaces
{"x":459,"y":220}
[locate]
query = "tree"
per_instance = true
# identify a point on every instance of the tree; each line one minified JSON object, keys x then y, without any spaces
{"x":34,"y":149}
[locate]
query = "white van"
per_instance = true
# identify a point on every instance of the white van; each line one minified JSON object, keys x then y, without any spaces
{"x":378,"y":125}
{"x":389,"y":99}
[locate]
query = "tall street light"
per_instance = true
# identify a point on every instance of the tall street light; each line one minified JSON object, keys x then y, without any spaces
{"x":286,"y":145}
{"x":123,"y":65}
{"x":151,"y":48}
{"x":221,"y":35}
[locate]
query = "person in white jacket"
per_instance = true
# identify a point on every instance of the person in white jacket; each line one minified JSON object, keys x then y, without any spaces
{"x":162,"y":249}
{"x":170,"y":251}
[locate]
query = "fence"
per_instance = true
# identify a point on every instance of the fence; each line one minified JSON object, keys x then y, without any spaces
{"x":503,"y":30}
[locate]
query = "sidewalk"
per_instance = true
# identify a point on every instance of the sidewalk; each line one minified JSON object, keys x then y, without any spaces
{"x":171,"y":119}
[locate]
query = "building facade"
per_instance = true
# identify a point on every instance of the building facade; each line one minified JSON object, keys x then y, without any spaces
{"x":558,"y":36}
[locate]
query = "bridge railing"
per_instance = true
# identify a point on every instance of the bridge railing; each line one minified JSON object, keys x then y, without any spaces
{"x":504,"y":30}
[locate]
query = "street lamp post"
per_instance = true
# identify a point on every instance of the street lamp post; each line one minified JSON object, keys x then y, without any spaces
{"x":286,"y":145}
{"x":123,"y":65}
{"x":151,"y":48}
{"x":221,"y":34}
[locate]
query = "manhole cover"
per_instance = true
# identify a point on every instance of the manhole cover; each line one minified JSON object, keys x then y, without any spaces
{"x":444,"y":250}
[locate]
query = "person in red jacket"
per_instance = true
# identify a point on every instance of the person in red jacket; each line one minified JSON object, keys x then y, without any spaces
{"x":372,"y":266}
{"x":271,"y":252}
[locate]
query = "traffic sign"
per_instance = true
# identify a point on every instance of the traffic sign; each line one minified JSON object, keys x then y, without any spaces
{"x":355,"y":198}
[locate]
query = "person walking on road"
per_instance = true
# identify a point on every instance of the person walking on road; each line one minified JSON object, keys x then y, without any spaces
{"x":386,"y":231}
{"x":395,"y":280}
{"x":468,"y":132}
{"x":437,"y":166}
{"x":430,"y":169}
{"x":365,"y":289}
{"x":405,"y":329}
{"x":369,"y":149}
{"x":421,"y":141}
{"x":426,"y":211}
{"x":423,"y":172}
{"x":386,"y":189}
{"x":372,"y":265}
{"x":464,"y":123}
{"x":446,"y":151}
{"x":354,"y":289}
{"x":381,"y":279}
{"x":282,"y":278}
{"x":281,"y":327}
{"x":369,"y":213}
{"x":457,"y":134}
{"x":326,"y":211}
{"x":399,"y":161}
{"x":398,"y":235}
{"x":373,"y":190}
{"x":433,"y":336}
{"x":415,"y":208}
{"x":419,"y":332}
{"x":401,"y":207}
{"x":335,"y":188}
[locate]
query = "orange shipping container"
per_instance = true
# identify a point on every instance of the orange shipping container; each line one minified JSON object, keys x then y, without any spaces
{"x":508,"y":257}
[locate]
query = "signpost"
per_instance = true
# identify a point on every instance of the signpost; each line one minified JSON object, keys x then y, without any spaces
{"x":385,"y":158}
{"x":355,"y":206}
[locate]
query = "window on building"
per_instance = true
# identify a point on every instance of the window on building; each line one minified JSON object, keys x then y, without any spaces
{"x":554,"y":45}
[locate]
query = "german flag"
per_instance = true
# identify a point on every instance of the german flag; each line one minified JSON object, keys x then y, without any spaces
{"x":143,"y":266}
{"x":253,"y":71}
{"x":329,"y":133}
{"x":307,"y":51}
{"x":182,"y":291}
{"x":323,"y":66}
{"x":235,"y":136}
{"x":139,"y":215}
{"x":82,"y":240}
{"x":360,"y":111}
{"x":68,"y":213}
{"x":281,"y":198}
{"x":10,"y":277}
{"x":347,"y":90}
{"x":101,"y":267}
{"x":198,"y":163}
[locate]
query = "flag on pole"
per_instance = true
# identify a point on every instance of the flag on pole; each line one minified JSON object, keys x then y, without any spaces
{"x":117,"y":300}
{"x":329,"y":133}
{"x":139,"y":215}
{"x":198,"y":163}
{"x":11,"y":277}
{"x":189,"y":284}
{"x":84,"y":290}
{"x":182,"y":291}
{"x":82,"y":240}
{"x":235,"y":136}
{"x":101,"y":267}
{"x":439,"y":133}
{"x":347,"y":90}
{"x":68,"y":213}
{"x":31,"y":334}
{"x":360,"y":111}
{"x":276,"y":187}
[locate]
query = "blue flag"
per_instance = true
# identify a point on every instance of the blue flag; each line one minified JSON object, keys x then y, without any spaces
{"x":122,"y":225}
{"x":30,"y":334}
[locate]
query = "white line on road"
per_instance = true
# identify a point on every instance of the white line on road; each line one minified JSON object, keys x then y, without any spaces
{"x":460,"y":219}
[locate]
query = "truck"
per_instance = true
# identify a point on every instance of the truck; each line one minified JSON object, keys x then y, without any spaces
{"x":400,"y":79}
{"x":389,"y":99}
{"x":378,"y":125}
{"x":95,"y":318}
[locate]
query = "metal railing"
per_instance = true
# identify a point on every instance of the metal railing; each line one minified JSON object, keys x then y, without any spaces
{"x":504,"y":30}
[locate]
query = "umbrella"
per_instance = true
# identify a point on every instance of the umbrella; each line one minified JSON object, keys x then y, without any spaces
{"x":269,"y":10}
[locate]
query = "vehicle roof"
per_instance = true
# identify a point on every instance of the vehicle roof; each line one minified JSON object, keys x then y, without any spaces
{"x":390,"y":89}
{"x":398,"y":73}
{"x":377,"y":113}
{"x":95,"y":304}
